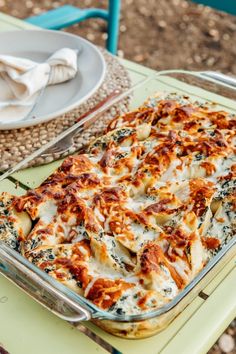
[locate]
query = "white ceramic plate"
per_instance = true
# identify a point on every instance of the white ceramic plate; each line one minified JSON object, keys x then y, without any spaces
{"x":38,"y":45}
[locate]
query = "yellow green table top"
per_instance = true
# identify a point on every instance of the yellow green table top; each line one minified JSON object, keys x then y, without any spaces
{"x":27,"y":328}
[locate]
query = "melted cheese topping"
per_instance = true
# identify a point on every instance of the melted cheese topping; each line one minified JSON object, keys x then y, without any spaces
{"x":129,"y":224}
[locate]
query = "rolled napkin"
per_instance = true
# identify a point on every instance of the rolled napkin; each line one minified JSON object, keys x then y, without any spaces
{"x":22,"y":79}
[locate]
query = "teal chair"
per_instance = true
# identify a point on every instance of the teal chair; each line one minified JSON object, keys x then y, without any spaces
{"x":68,"y":15}
{"x":223,"y":5}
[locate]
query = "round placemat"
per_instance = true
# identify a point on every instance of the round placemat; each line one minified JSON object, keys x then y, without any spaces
{"x":17,"y":144}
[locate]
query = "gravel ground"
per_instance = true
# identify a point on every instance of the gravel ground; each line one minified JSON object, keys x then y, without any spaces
{"x":161,"y":35}
{"x":156,"y":33}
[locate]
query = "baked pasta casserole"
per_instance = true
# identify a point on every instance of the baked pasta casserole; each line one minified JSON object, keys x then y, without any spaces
{"x":132,"y":221}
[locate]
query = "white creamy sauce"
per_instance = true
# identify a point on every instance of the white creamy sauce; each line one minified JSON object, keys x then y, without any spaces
{"x":181,"y":190}
{"x":128,"y":302}
{"x":172,"y":172}
{"x":142,"y":235}
{"x":164,"y":283}
{"x":47,"y":211}
{"x":136,"y":204}
{"x":222,"y":167}
{"x":98,"y":269}
{"x":117,"y":251}
{"x":80,"y":235}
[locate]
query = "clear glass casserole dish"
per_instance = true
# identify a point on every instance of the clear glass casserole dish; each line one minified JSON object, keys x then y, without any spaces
{"x":203,"y":86}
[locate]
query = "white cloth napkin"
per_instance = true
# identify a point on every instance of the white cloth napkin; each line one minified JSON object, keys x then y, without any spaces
{"x":22,"y":79}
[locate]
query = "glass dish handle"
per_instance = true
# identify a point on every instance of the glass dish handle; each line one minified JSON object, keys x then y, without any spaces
{"x":222,"y":78}
{"x":50,"y":296}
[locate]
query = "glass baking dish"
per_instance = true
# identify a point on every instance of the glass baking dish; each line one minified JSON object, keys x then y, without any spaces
{"x":200,"y":86}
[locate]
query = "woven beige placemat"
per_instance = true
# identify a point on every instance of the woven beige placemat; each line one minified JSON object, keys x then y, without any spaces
{"x":17,"y":144}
